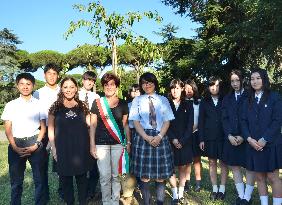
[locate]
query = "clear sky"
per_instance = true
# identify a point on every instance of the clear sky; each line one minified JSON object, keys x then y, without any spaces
{"x":40,"y":24}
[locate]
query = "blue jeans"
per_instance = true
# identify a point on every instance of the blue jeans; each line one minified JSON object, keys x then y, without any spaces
{"x":17,"y":167}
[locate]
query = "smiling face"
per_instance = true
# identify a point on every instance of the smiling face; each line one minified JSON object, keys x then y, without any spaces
{"x":176,"y":92}
{"x":110,"y":88}
{"x":51,"y":77}
{"x":88,"y":84}
{"x":256,"y":82}
{"x":69,"y":89}
{"x":235,"y":82}
{"x":25,"y":87}
{"x":214,"y":89}
{"x":148,"y":87}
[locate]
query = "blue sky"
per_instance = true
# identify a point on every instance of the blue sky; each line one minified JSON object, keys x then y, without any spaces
{"x":40,"y":24}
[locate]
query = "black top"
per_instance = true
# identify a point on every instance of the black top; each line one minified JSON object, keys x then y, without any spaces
{"x":103,"y":136}
{"x":72,"y":142}
{"x":181,"y":127}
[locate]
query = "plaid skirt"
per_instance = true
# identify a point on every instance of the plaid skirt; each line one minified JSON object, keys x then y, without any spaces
{"x":151,"y":162}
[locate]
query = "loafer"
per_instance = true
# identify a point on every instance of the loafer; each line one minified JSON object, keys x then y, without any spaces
{"x":220,"y":196}
{"x":187,"y":186}
{"x":213,"y":196}
{"x":197,"y":188}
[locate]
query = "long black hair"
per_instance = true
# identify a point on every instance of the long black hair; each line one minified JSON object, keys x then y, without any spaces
{"x":172,"y":85}
{"x":212,"y":80}
{"x":196,"y":95}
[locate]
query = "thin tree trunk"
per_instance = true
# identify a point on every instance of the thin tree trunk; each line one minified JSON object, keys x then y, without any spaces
{"x":114,"y":55}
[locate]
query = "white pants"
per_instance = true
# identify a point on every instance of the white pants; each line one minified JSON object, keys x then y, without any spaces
{"x":108,"y":158}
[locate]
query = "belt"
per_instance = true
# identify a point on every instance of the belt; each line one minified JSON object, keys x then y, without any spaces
{"x":25,"y":138}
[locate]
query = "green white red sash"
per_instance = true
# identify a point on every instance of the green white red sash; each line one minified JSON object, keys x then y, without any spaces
{"x":112,"y":126}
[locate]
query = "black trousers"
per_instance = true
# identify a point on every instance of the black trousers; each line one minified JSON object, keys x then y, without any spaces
{"x":67,"y":185}
{"x":93,"y":179}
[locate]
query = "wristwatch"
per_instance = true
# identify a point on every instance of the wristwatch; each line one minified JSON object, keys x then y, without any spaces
{"x":39,"y":144}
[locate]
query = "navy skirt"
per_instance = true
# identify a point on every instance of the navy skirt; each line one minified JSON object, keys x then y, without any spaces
{"x":195,"y":145}
{"x":268,"y":160}
{"x":214,"y":149}
{"x":151,"y":162}
{"x":234,"y":155}
{"x":182,"y":156}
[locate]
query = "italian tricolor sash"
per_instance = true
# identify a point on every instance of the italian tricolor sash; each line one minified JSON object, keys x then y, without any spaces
{"x":112,"y":126}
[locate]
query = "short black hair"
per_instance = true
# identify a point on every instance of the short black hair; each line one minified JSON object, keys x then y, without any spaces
{"x":52,"y":66}
{"x":89,"y":75}
{"x":107,"y":77}
{"x":149,"y":77}
{"x":26,"y":76}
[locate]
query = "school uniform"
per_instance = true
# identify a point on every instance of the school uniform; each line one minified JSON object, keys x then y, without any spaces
{"x":263,"y":118}
{"x":181,"y":128}
{"x":151,"y":162}
{"x":210,"y":127}
{"x":88,"y":97}
{"x":231,"y":111}
{"x":25,"y":117}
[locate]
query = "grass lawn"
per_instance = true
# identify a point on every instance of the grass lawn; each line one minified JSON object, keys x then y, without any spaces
{"x":2,"y":127}
{"x":27,"y":198}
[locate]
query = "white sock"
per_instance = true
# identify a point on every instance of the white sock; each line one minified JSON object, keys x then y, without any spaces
{"x":214,"y":188}
{"x":240,"y":189}
{"x":222,"y":188}
{"x":174,"y":193}
{"x":248,"y":192}
{"x":263,"y":200}
{"x":277,"y":201}
{"x":181,"y":190}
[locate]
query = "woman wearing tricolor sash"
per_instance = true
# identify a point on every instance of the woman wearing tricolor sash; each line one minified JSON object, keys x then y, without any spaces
{"x":151,"y":114}
{"x":110,"y":138}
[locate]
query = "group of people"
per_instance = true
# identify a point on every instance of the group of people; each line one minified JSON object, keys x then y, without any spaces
{"x":95,"y":138}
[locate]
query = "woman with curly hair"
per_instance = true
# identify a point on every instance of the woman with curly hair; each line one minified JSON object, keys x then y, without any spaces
{"x":68,"y":134}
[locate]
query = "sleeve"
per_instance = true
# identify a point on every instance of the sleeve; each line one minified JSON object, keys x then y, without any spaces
{"x":189,"y":127}
{"x":171,"y":129}
{"x":125,"y":109}
{"x":94,"y":108}
{"x":42,"y":113}
{"x":276,"y":123}
{"x":36,"y":94}
{"x":201,"y":124}
{"x":167,"y":112}
{"x":225,"y":118}
{"x":7,"y":115}
{"x":244,"y":120}
{"x":134,"y":110}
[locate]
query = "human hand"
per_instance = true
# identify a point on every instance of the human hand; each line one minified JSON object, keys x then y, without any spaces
{"x":54,"y":153}
{"x":239,"y":139}
{"x":19,"y":150}
{"x":202,"y":146}
{"x":232,"y":140}
{"x":156,"y":141}
{"x":254,"y":143}
{"x":128,"y":147}
{"x":262,"y":143}
{"x":93,"y":151}
{"x":176,"y":143}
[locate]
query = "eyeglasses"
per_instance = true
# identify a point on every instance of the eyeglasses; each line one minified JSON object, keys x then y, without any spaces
{"x":147,"y":83}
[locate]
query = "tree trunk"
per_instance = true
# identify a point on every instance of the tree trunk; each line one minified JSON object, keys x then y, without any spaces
{"x":114,"y":55}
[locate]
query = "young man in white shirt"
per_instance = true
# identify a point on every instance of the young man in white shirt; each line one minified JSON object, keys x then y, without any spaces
{"x":47,"y":95}
{"x":87,"y":95}
{"x":25,"y":129}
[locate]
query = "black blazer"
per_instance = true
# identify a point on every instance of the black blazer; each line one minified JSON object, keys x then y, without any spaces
{"x":182,"y":126}
{"x":210,"y":124}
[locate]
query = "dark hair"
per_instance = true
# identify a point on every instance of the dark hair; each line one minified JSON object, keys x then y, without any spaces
{"x":89,"y":75}
{"x":240,"y":76}
{"x":172,"y":85}
{"x":265,"y":85}
{"x":195,"y":89}
{"x":107,"y":77}
{"x":52,"y":66}
{"x":212,"y":80}
{"x":131,"y":88}
{"x":59,"y":103}
{"x":26,"y":76}
{"x":149,"y":77}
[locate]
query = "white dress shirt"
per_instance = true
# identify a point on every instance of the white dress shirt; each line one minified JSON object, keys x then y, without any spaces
{"x":47,"y":96}
{"x":25,"y":116}
{"x":91,"y":96}
{"x":139,"y":110}
{"x":258,"y":96}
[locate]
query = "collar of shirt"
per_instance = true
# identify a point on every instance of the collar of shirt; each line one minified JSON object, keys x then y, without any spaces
{"x":57,"y":89}
{"x":215,"y":100}
{"x":259,"y":95}
{"x":23,"y":100}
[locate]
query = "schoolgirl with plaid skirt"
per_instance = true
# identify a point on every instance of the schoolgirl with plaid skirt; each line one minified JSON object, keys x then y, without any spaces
{"x":152,"y":156}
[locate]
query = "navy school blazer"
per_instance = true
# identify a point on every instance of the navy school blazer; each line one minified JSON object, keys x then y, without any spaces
{"x":210,"y":124}
{"x":231,"y":111}
{"x":181,"y":127}
{"x":263,"y":119}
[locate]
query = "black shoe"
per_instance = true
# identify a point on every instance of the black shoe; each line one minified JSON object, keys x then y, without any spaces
{"x":187,"y":186}
{"x":213,"y":196}
{"x":245,"y":202}
{"x":197,"y":188}
{"x":220,"y":196}
{"x":174,"y":202}
{"x":238,"y":201}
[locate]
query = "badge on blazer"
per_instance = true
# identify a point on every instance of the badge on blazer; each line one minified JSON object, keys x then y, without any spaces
{"x":265,"y":105}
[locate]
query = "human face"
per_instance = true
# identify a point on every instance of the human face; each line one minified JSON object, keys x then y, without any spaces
{"x":88,"y":84}
{"x":110,"y":88}
{"x":25,"y":87}
{"x":235,"y":82}
{"x":189,"y":91}
{"x":176,"y":92}
{"x":51,"y":77}
{"x":69,"y":89}
{"x":214,"y":89}
{"x":134,"y":93}
{"x":256,"y":82}
{"x":148,"y":87}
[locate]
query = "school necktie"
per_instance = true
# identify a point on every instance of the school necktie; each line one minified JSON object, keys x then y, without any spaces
{"x":152,"y":114}
{"x":257,"y":100}
{"x":238,"y":97}
{"x":86,"y":98}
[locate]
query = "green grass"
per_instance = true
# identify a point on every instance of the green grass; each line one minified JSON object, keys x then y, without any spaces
{"x":27,"y":198}
{"x":2,"y":127}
